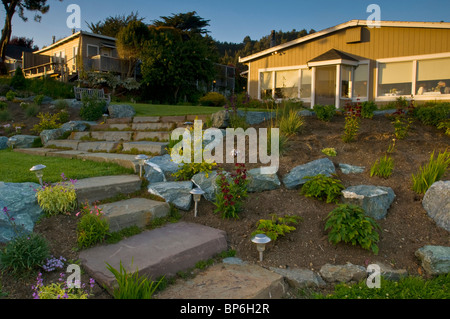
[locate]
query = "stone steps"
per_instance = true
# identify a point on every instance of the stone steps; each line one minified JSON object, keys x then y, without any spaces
{"x":159,"y":252}
{"x":133,"y":212}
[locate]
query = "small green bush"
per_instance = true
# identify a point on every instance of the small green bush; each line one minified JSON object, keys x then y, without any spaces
{"x":24,"y":253}
{"x":5,"y":116}
{"x":31,"y":110}
{"x":38,"y":99}
{"x":277,"y":226}
{"x":349,"y":224}
{"x":92,"y":108}
{"x":433,"y":115}
{"x":433,"y":171}
{"x":60,"y":198}
{"x":325,"y":112}
{"x":92,"y":228}
{"x":3,"y":105}
{"x":18,"y":81}
{"x":213,"y":99}
{"x":329,"y":151}
{"x":63,"y":116}
{"x":323,"y":188}
{"x":11,"y":95}
{"x":61,"y":105}
{"x":445,"y":125}
{"x":382,"y":167}
{"x":47,"y":122}
{"x":291,"y":123}
{"x":367,"y":109}
{"x":131,"y":286}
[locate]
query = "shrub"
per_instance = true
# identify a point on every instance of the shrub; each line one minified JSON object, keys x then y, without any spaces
{"x":277,"y":226}
{"x":445,"y":125}
{"x":323,"y":188}
{"x":61,"y":105}
{"x":349,"y":224}
{"x":31,"y":110}
{"x":3,"y":105}
{"x":132,"y":286}
{"x":60,"y":290}
{"x":5,"y":116}
{"x":433,"y":171}
{"x":325,"y":112}
{"x":47,"y":122}
{"x":59,"y":198}
{"x":433,"y":115}
{"x":92,"y":108}
{"x":24,"y":253}
{"x":290,"y":123}
{"x":329,"y":151}
{"x":18,"y":80}
{"x":213,"y":99}
{"x":63,"y":116}
{"x":38,"y":99}
{"x":352,"y":122}
{"x":367,"y":109}
{"x":402,"y":123}
{"x":231,"y":193}
{"x":11,"y":95}
{"x":383,"y":167}
{"x":92,"y":227}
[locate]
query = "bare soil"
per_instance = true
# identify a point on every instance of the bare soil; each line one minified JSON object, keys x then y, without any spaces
{"x":405,"y":229}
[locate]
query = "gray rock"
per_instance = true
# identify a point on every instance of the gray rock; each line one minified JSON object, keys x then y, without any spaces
{"x":351,"y":169}
{"x":375,"y":200}
{"x":20,"y":199}
{"x":437,"y":203}
{"x":48,"y":135}
{"x":176,"y":193}
{"x":160,"y":169}
{"x":435,"y":259}
{"x":78,"y":126}
{"x":300,"y":278}
{"x":389,"y":273}
{"x":121,"y":111}
{"x":306,"y":113}
{"x":3,"y":142}
{"x":342,"y":273}
{"x":233,"y":261}
{"x":220,"y":119}
{"x":24,"y":141}
{"x":259,"y":182}
{"x":296,"y":176}
{"x":254,"y":118}
{"x":207,"y":184}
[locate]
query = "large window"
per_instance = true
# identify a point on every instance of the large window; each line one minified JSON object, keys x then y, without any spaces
{"x":360,"y":81}
{"x":306,"y":80}
{"x":433,"y":77}
{"x":92,"y":50}
{"x":395,"y":78}
{"x":286,"y":84}
{"x":266,"y":83}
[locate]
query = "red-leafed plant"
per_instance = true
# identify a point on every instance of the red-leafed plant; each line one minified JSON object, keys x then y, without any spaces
{"x":352,"y":121}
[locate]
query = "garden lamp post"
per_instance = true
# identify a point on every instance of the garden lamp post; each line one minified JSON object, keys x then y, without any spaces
{"x":12,"y":141}
{"x":105,"y":117}
{"x":261,"y":240}
{"x":197,"y":194}
{"x":141,"y":158}
{"x":38,"y":170}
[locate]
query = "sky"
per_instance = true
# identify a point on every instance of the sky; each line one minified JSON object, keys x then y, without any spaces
{"x":230,"y":20}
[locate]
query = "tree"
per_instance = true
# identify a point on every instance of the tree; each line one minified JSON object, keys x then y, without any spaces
{"x":189,"y":23}
{"x":130,"y":42}
{"x":111,"y":26}
{"x":11,"y":6}
{"x":23,"y":42}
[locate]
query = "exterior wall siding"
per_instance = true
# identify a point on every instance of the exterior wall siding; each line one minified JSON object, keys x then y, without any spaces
{"x":377,"y":43}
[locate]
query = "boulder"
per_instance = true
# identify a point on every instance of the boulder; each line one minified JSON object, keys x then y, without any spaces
{"x":176,"y":193}
{"x":78,"y":126}
{"x":300,"y":278}
{"x":351,"y":169}
{"x":220,"y":119}
{"x":259,"y":182}
{"x":435,"y":259}
{"x":121,"y":111}
{"x":3,"y":142}
{"x":342,"y":273}
{"x":254,"y":118}
{"x":20,"y":199}
{"x":389,"y":273}
{"x":207,"y":182}
{"x":296,"y":176}
{"x":375,"y":200}
{"x":24,"y":141}
{"x":437,"y":203}
{"x":160,"y":169}
{"x":48,"y":135}
{"x":306,"y":113}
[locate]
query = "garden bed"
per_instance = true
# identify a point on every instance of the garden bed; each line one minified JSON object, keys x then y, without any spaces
{"x":405,"y":229}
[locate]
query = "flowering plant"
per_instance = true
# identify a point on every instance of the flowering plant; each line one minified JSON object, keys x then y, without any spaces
{"x":60,"y":290}
{"x":58,"y":198}
{"x":231,"y":192}
{"x":352,"y":121}
{"x":92,"y":227}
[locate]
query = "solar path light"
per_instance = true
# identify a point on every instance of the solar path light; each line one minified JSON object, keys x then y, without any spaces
{"x":261,"y":240}
{"x":38,"y":170}
{"x":141,"y":158}
{"x":197,"y":194}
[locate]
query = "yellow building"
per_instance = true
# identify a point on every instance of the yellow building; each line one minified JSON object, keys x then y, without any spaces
{"x":81,"y":51}
{"x":355,"y":61}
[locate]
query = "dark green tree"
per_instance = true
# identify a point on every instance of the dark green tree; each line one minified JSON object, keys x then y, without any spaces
{"x":20,"y":6}
{"x":188,"y":23}
{"x":111,"y":26}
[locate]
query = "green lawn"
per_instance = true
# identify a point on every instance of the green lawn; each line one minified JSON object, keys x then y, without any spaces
{"x":174,"y":110}
{"x":15,"y":168}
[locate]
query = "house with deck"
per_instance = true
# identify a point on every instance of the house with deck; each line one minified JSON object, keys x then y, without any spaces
{"x":80,"y":52}
{"x":355,"y":61}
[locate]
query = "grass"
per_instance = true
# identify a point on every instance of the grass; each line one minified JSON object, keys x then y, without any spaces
{"x":176,"y":110}
{"x":433,"y":171}
{"x":15,"y":168}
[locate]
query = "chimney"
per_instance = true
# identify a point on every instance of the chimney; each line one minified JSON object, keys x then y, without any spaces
{"x":73,"y":31}
{"x":273,"y":41}
{"x":53,"y":39}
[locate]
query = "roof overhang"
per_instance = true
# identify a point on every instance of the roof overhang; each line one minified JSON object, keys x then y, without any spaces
{"x":333,"y":62}
{"x":349,"y":24}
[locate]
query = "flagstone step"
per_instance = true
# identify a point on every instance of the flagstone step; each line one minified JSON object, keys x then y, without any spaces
{"x":133,"y":212}
{"x":146,"y":119}
{"x":158,"y":126}
{"x":161,"y":136}
{"x":112,"y":135}
{"x":99,"y":188}
{"x":159,"y":252}
{"x":146,"y":147}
